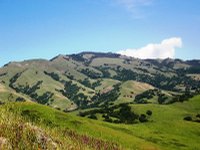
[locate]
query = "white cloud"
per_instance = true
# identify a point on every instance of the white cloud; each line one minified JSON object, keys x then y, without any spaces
{"x":165,"y":49}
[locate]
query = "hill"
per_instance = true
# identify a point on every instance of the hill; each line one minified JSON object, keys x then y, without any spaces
{"x":70,"y":82}
{"x":166,"y":130}
{"x":100,"y":101}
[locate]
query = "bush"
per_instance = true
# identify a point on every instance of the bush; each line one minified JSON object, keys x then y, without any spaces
{"x":198,"y":115}
{"x":44,"y":98}
{"x":53,"y":75}
{"x":92,"y":116}
{"x":149,"y":112}
{"x":82,"y":114}
{"x":126,"y":115}
{"x":143,"y":118}
{"x":188,"y":118}
{"x":140,"y":98}
{"x":117,"y":121}
{"x":20,"y":99}
{"x":108,"y":119}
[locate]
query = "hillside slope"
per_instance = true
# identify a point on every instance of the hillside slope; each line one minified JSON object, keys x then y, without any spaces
{"x":78,"y":81}
{"x":167,"y":130}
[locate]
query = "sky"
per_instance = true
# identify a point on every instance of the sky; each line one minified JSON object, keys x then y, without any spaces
{"x":139,"y":28}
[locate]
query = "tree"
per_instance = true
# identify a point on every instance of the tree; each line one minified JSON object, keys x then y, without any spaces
{"x":198,"y":115}
{"x":126,"y":115}
{"x":92,"y":116}
{"x":187,"y":118}
{"x":149,"y":112}
{"x":20,"y":99}
{"x":143,"y":118}
{"x":108,"y":119}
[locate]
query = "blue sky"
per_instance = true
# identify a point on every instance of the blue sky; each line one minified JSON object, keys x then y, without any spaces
{"x":45,"y":28}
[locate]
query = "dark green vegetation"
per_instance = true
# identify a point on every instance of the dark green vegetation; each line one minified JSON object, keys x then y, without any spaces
{"x":143,"y":101}
{"x":121,"y":113}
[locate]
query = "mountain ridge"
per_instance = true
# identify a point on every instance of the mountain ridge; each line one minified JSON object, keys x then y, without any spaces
{"x":106,"y":54}
{"x":86,"y":73}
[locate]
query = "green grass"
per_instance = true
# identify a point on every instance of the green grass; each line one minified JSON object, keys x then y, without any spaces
{"x":50,"y":118}
{"x":106,"y":83}
{"x":9,"y":95}
{"x":32,"y":126}
{"x":130,"y":89}
{"x":18,"y":133}
{"x":166,"y":129}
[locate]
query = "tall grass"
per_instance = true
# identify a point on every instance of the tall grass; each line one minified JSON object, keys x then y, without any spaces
{"x":19,"y":133}
{"x":16,"y":133}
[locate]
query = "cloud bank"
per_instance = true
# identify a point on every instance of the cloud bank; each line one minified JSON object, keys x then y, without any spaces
{"x":165,"y":49}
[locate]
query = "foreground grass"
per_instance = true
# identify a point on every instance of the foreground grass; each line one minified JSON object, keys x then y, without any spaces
{"x":165,"y":131}
{"x":26,"y":129}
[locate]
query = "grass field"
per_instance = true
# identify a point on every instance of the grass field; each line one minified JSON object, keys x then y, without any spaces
{"x":130,"y":89}
{"x":166,"y":129}
{"x":106,"y":84}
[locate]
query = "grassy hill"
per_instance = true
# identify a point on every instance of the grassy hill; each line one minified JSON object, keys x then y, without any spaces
{"x":100,"y":101}
{"x":167,"y":130}
{"x":130,"y":89}
{"x":94,"y":73}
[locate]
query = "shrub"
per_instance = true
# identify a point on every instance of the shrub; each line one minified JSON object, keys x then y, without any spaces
{"x":82,"y":114}
{"x":126,"y":115}
{"x":90,"y":73}
{"x":53,"y":75}
{"x":198,"y":115}
{"x":20,"y":99}
{"x":92,"y":116}
{"x":58,"y":108}
{"x":143,"y":118}
{"x":187,"y":118}
{"x":149,"y":112}
{"x":108,"y":119}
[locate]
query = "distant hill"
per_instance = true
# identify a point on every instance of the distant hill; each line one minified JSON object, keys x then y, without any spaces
{"x":78,"y":81}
